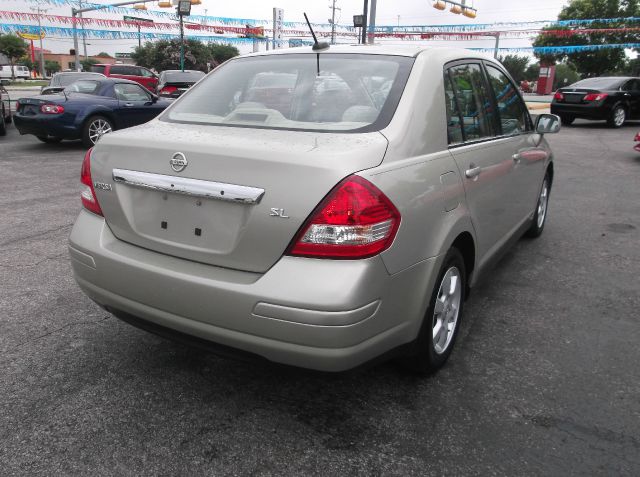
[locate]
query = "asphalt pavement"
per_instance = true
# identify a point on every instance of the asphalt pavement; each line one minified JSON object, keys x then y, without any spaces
{"x":544,"y":379}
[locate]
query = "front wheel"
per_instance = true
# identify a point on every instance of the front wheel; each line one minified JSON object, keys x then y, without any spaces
{"x":94,"y":129}
{"x":441,"y":322}
{"x":617,"y":117}
{"x":540,"y":215}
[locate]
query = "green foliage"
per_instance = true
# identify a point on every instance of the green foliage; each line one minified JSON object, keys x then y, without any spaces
{"x":566,"y":74}
{"x":51,"y":67}
{"x":598,"y":62}
{"x":86,"y":64}
{"x":165,"y":55}
{"x":515,"y":65}
{"x":102,"y":54}
{"x":26,"y":61}
{"x":14,"y":48}
{"x":532,"y":72}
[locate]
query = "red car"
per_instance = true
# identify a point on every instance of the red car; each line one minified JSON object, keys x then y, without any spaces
{"x":637,"y":140}
{"x":145,"y":77}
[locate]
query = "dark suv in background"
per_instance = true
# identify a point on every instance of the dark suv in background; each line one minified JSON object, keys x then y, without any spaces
{"x":145,"y":77}
{"x":614,"y":99}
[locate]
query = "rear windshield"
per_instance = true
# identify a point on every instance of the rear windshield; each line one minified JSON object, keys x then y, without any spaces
{"x":66,"y":80}
{"x":83,"y":86}
{"x":182,"y":77}
{"x":599,"y":83}
{"x":326,"y":92}
{"x":97,"y":69}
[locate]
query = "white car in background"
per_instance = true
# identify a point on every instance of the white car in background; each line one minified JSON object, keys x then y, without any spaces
{"x":20,"y":72}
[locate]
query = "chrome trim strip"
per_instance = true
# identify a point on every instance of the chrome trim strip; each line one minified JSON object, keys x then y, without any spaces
{"x":191,"y":187}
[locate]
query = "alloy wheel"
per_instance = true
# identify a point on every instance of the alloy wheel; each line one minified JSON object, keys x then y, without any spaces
{"x":542,"y":203}
{"x":447,"y":309}
{"x":98,"y":128}
{"x":619,"y":116}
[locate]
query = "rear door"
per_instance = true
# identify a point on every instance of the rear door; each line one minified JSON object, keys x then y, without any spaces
{"x":516,"y":132}
{"x":483,"y":157}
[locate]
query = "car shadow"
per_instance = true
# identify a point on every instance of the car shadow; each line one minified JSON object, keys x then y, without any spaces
{"x":578,"y":124}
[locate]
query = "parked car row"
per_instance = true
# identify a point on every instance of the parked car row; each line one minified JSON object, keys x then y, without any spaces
{"x":5,"y":110}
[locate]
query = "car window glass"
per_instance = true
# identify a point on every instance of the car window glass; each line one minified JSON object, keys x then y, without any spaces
{"x":121,"y":70}
{"x":83,"y":86}
{"x":473,"y":101}
{"x":511,"y":109}
{"x":632,"y":85}
{"x":97,"y":68}
{"x":130,"y":92}
{"x":454,"y":122}
{"x":145,"y":72}
{"x":347,"y":92}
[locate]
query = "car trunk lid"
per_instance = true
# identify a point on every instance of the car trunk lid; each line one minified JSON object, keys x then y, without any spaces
{"x":239,"y":199}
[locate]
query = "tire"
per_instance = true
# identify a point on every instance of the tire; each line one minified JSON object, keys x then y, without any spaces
{"x":50,"y":139}
{"x":94,"y":129}
{"x":432,"y":352}
{"x":617,"y":116}
{"x":3,"y":124}
{"x":542,"y":207}
{"x":567,"y":120}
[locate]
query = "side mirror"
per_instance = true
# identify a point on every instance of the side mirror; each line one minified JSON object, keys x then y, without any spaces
{"x":547,"y":124}
{"x":154,"y":98}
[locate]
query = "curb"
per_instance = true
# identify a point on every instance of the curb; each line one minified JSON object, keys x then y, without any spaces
{"x":538,"y":105}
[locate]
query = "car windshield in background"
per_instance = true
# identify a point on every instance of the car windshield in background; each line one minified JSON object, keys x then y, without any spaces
{"x":182,"y":77}
{"x":83,"y":86}
{"x":66,"y":80}
{"x":599,"y":83}
{"x":351,"y":92}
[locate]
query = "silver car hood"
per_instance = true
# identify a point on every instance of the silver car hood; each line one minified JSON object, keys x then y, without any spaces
{"x":188,"y":217}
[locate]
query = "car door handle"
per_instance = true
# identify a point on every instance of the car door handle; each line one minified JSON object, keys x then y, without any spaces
{"x":473,"y":171}
{"x":128,"y":104}
{"x":516,"y":158}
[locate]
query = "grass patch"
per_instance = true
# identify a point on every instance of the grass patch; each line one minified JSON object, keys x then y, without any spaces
{"x":25,"y":84}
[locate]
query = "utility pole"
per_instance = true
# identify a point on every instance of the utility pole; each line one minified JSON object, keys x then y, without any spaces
{"x":78,"y":11}
{"x":333,"y":21}
{"x":372,"y":21}
{"x":495,"y":48}
{"x":365,"y":14}
{"x":84,"y":35}
{"x":40,"y":12}
{"x":181,"y":44}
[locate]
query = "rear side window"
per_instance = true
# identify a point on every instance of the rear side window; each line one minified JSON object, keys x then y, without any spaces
{"x":473,"y":101}
{"x":97,"y":69}
{"x":512,"y":111}
{"x":454,"y":120}
{"x":123,"y":70}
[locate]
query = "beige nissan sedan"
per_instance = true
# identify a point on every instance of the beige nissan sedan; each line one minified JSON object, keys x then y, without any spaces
{"x":316,"y":208}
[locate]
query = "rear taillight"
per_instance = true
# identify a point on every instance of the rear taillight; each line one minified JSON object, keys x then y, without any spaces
{"x":17,"y":104}
{"x":88,"y":195}
{"x":558,"y":96}
{"x":595,"y":96}
{"x":167,"y":90}
{"x":51,"y":109}
{"x":637,"y":138}
{"x":356,"y":220}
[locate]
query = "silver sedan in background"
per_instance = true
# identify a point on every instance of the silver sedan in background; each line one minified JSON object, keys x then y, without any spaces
{"x":316,"y":208}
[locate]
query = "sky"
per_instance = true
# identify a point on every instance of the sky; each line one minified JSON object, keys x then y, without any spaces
{"x":389,"y":12}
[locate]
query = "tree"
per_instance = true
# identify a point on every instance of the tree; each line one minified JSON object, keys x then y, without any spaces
{"x":102,"y":54}
{"x":51,"y":67}
{"x":165,"y":55}
{"x":595,"y":62}
{"x":532,"y":73}
{"x":88,"y":63}
{"x":14,"y":48}
{"x":566,"y":74}
{"x":515,"y":65}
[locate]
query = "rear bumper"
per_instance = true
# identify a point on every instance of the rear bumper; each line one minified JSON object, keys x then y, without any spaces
{"x":319,"y":314}
{"x":585,"y":111}
{"x":45,"y":126}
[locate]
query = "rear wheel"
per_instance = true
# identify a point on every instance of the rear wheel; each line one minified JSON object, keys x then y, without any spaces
{"x":50,"y":139}
{"x":540,"y":216}
{"x":441,"y":322}
{"x":617,"y":117}
{"x":94,"y":129}
{"x":567,"y":119}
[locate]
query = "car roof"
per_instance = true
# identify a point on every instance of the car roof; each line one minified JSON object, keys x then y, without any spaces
{"x":180,"y":71}
{"x":100,"y":75}
{"x":435,"y":53}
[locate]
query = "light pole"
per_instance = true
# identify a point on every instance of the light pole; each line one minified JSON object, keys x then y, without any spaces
{"x":74,"y":20}
{"x":41,"y":55}
{"x":372,"y":21}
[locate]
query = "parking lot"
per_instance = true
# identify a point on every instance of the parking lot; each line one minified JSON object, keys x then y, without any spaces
{"x":544,"y":379}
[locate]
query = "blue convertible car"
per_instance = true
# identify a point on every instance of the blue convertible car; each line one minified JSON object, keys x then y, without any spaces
{"x":87,"y":109}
